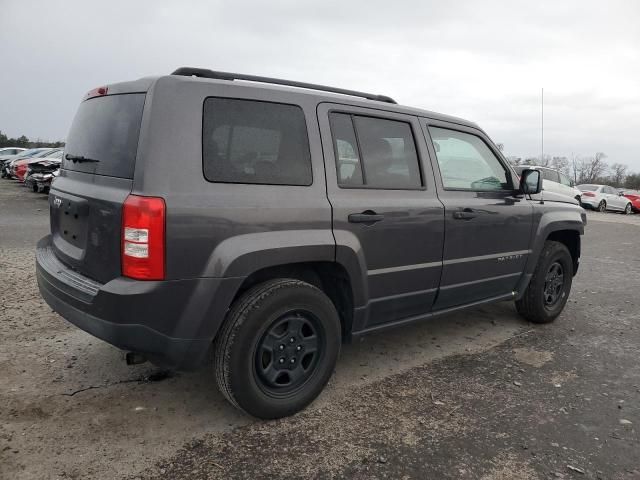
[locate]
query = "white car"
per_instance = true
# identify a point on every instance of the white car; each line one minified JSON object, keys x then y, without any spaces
{"x":553,"y":181}
{"x":6,"y":151}
{"x":603,"y":198}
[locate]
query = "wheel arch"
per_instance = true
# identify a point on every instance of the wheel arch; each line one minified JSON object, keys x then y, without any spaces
{"x":565,"y":226}
{"x":307,"y":255}
{"x":330,"y":277}
{"x":571,"y":240}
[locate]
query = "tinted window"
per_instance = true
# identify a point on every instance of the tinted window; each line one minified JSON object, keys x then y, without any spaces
{"x":106,"y":129}
{"x":346,"y":148}
{"x":466,"y":162}
{"x":246,"y":141}
{"x":386,"y":147}
{"x":550,"y":175}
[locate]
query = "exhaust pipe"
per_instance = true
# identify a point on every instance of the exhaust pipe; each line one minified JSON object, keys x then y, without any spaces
{"x":135,"y":358}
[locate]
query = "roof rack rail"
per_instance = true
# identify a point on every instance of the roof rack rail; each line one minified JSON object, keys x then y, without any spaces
{"x":206,"y":73}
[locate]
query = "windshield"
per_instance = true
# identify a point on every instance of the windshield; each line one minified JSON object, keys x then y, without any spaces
{"x":43,"y":153}
{"x":588,"y":188}
{"x":105,"y":132}
{"x":31,"y":152}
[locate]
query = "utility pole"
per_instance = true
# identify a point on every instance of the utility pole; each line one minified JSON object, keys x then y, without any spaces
{"x":542,"y":128}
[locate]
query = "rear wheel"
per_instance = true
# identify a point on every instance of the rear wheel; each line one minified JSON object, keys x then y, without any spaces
{"x":277,"y":348}
{"x":602,"y":206}
{"x":548,"y":290}
{"x":627,"y":209}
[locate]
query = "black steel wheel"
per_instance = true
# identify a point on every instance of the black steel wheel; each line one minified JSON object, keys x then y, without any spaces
{"x":549,"y":287}
{"x":277,"y":348}
{"x":553,"y":284}
{"x":288,"y":353}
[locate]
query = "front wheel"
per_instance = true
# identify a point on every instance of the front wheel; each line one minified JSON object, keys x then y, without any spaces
{"x":277,"y":348}
{"x":549,"y":288}
{"x":602,"y":206}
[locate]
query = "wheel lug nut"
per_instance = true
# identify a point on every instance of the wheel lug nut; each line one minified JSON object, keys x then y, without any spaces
{"x":281,"y":347}
{"x":281,"y":360}
{"x":298,"y":348}
{"x":291,"y":340}
{"x":293,"y":360}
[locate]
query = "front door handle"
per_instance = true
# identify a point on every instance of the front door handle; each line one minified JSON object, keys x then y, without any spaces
{"x":465,"y":214}
{"x":367,"y":216}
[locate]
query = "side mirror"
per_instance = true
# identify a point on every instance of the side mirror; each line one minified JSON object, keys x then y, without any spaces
{"x":531,"y":181}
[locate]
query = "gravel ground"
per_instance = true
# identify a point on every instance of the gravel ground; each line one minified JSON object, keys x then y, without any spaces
{"x":475,"y":395}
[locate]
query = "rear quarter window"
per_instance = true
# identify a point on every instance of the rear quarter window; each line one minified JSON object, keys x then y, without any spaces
{"x":249,"y":141}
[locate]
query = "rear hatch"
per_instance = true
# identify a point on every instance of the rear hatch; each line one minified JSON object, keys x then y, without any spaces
{"x":96,"y":176}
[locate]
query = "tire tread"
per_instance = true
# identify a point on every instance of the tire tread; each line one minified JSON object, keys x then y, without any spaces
{"x":234,"y":320}
{"x":529,"y":305}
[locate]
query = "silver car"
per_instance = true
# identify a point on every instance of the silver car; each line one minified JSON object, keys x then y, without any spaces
{"x":603,"y":198}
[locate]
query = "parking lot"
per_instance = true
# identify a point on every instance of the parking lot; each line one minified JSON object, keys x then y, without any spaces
{"x":480,"y":394}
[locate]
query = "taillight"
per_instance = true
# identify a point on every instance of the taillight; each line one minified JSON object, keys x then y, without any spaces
{"x":589,"y":194}
{"x":143,"y":220}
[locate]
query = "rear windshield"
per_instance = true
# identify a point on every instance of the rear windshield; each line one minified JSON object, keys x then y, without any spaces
{"x":106,"y":129}
{"x":587,"y":188}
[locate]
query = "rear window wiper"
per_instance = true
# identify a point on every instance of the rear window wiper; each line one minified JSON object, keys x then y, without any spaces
{"x":79,"y":158}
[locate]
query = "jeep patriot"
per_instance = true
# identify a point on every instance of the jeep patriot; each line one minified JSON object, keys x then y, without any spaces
{"x":253,"y":224}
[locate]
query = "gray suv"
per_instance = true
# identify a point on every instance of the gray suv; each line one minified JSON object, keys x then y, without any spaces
{"x":257,"y":223}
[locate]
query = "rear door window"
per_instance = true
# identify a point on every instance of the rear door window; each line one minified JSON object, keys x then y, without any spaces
{"x":374,"y":152}
{"x":106,"y":129}
{"x":248,"y":141}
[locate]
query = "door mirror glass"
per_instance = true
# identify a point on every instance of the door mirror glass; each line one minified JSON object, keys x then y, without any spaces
{"x":530,"y":181}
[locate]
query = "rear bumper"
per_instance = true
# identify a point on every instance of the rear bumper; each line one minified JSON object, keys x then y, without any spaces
{"x":589,"y":202}
{"x":172,"y":322}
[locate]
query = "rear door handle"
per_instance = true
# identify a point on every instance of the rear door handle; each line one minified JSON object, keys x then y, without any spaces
{"x":366,"y":217}
{"x":466,"y":214}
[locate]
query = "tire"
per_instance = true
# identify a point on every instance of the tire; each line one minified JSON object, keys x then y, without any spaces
{"x":627,"y":209}
{"x":602,"y":206}
{"x":534,"y":304}
{"x":247,"y":348}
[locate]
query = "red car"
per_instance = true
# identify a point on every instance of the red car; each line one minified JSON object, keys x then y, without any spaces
{"x":18,"y":167}
{"x":635,"y":200}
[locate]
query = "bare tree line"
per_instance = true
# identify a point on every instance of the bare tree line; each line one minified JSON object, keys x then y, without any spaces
{"x":589,"y":169}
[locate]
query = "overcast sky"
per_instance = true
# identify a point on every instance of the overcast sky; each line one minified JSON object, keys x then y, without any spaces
{"x":484,"y":61}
